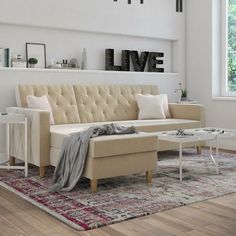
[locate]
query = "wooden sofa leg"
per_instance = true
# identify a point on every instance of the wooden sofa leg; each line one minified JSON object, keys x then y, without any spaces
{"x":12,"y":161}
{"x":199,"y":150}
{"x":93,"y":185}
{"x":42,"y":170}
{"x":149,"y":177}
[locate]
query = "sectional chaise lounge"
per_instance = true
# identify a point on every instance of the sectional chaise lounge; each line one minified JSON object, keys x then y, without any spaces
{"x":76,"y":107}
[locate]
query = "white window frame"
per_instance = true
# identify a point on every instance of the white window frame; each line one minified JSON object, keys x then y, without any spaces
{"x":224,"y":53}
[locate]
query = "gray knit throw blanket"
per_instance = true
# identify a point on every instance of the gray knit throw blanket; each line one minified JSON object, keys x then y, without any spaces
{"x":74,"y":153}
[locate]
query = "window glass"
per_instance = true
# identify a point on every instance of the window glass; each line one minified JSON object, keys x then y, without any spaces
{"x":231,"y":83}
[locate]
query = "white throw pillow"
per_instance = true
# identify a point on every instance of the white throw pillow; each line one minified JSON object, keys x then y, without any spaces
{"x":165,"y":105}
{"x":41,"y":103}
{"x":150,"y":107}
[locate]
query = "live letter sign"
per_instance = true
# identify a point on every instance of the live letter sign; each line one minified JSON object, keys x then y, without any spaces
{"x":151,"y":59}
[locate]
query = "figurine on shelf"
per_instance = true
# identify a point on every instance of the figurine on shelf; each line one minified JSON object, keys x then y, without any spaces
{"x":54,"y":64}
{"x":65,"y":64}
{"x":18,"y":62}
{"x":74,"y":63}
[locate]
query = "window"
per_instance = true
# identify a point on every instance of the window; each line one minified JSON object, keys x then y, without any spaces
{"x":229,"y":48}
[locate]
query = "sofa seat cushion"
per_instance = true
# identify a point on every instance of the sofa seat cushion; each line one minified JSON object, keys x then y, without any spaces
{"x":113,"y":145}
{"x":59,"y":132}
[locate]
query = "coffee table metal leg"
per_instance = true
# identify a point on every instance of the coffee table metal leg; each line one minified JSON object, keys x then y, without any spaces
{"x":26,"y":147}
{"x":215,"y":160}
{"x":180,"y":162}
{"x":211,"y":154}
{"x":210,"y":148}
{"x":217,"y":157}
{"x":8,"y":143}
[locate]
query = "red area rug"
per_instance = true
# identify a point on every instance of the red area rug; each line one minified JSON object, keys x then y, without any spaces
{"x":124,"y":198}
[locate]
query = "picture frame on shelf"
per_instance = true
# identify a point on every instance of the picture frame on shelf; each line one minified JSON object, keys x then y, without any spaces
{"x":36,"y":51}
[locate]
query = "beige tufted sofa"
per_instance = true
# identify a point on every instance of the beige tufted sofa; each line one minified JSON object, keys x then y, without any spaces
{"x":76,"y":107}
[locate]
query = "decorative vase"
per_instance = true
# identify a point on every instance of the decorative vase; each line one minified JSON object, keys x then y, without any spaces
{"x":84,"y":60}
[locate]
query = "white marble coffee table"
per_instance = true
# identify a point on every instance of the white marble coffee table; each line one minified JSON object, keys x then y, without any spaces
{"x":213,"y":135}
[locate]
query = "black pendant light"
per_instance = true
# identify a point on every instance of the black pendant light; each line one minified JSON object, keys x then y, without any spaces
{"x":179,"y":5}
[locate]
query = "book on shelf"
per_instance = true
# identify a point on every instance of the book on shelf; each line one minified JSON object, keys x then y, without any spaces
{"x":5,"y":57}
{"x":19,"y":66}
{"x":18,"y":63}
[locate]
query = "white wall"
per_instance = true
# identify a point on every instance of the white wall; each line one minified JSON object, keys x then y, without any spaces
{"x":203,"y":63}
{"x":68,"y":26}
{"x":155,"y":18}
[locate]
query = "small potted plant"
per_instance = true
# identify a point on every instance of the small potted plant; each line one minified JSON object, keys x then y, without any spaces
{"x":32,"y":62}
{"x":184,"y":95}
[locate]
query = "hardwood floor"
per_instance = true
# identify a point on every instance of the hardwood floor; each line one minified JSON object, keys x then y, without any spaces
{"x":216,"y":217}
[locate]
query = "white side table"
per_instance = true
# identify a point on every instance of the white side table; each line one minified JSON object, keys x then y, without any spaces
{"x":14,"y":118}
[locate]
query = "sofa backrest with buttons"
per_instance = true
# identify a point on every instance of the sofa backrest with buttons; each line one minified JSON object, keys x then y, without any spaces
{"x":99,"y":103}
{"x":88,"y":103}
{"x":61,"y":98}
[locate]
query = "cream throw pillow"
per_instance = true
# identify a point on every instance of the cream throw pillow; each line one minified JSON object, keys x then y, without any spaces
{"x":150,"y":107}
{"x":41,"y":103}
{"x":164,"y":100}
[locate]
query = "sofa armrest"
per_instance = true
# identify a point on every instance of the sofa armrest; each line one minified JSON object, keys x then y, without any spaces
{"x":38,"y":136}
{"x":188,"y":111}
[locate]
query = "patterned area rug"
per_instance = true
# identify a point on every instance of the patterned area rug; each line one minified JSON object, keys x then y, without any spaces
{"x":124,"y":198}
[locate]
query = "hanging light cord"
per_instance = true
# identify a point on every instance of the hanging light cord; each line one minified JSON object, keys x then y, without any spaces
{"x":129,"y":1}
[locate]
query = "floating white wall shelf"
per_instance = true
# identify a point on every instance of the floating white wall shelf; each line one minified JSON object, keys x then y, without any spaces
{"x":84,"y":71}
